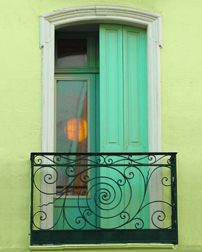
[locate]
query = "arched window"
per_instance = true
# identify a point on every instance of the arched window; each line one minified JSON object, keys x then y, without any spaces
{"x":110,"y":106}
{"x":102,"y":14}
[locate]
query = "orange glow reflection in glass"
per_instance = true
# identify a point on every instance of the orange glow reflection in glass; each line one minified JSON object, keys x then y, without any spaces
{"x":76,"y":129}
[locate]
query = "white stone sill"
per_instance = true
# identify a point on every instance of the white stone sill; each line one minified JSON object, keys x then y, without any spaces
{"x":102,"y":246}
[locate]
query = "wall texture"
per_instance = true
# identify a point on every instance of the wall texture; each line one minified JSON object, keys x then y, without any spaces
{"x":20,"y":96}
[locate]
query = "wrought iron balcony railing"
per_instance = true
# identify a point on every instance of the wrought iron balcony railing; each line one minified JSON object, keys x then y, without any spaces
{"x":103,"y":198}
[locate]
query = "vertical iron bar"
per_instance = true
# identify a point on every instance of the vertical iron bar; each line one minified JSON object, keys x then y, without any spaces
{"x":31,"y":207}
{"x":174,"y":192}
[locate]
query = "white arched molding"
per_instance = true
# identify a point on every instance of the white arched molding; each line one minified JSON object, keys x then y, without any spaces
{"x":106,"y":14}
{"x":97,"y":14}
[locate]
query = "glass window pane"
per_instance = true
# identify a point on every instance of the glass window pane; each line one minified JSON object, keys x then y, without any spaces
{"x":71,"y":132}
{"x":71,"y":116}
{"x":71,"y":52}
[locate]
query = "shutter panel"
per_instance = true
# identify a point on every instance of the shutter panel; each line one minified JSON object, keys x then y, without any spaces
{"x":123,"y":117}
{"x":111,"y":120}
{"x":135,"y":90}
{"x":135,"y":115}
{"x":123,"y":89}
{"x":111,"y":89}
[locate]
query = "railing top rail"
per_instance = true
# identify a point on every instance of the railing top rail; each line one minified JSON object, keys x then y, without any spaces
{"x":101,"y":153}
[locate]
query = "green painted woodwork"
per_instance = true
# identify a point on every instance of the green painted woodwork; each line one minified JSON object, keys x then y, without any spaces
{"x":135,"y":111}
{"x":123,"y":111}
{"x":111,"y":114}
{"x":111,"y":89}
{"x":135,"y":90}
{"x":123,"y":89}
{"x":92,"y":52}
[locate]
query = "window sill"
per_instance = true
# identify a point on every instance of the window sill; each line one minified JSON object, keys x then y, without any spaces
{"x":102,"y":246}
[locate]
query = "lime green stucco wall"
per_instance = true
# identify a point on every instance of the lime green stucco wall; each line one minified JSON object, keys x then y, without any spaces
{"x":21,"y":102}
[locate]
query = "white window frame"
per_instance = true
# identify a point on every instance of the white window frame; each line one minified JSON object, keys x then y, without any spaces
{"x":106,"y":14}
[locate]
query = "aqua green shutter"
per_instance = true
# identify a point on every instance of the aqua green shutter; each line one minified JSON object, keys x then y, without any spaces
{"x":123,"y":108}
{"x":123,"y":89}
{"x":111,"y":89}
{"x":111,"y":118}
{"x":136,"y":114}
{"x":135,"y":90}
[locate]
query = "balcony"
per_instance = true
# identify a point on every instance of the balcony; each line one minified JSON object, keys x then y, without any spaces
{"x":89,"y":198}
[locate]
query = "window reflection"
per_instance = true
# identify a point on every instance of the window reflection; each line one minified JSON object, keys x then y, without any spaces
{"x":71,"y":132}
{"x":71,"y":52}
